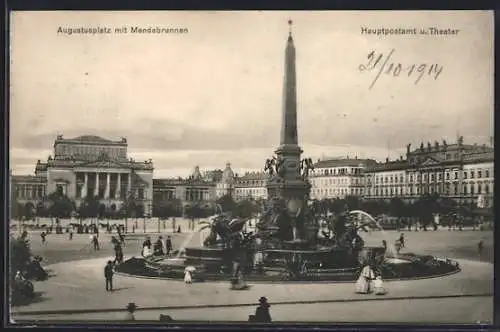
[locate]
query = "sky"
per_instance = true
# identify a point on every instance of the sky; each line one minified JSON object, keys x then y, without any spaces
{"x":214,"y":94}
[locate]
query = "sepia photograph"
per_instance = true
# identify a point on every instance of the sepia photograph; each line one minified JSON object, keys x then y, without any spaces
{"x":255,"y":167}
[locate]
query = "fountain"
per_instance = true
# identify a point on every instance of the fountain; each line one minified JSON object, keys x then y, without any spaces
{"x":286,"y":241}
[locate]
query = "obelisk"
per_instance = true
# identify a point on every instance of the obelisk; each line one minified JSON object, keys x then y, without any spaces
{"x":289,"y":186}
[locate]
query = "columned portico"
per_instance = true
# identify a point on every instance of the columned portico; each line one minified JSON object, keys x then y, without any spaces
{"x":108,"y":183}
{"x":96,"y":187}
{"x":118,"y":186}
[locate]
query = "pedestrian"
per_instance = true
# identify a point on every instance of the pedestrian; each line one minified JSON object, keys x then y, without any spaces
{"x":169,"y":244}
{"x":402,"y":240}
{"x":71,"y":233}
{"x":95,"y":241}
{"x":364,"y":281}
{"x":118,"y":253}
{"x":158,"y":247}
{"x":378,"y":286}
{"x":188,"y":278}
{"x":262,"y":314}
{"x":43,"y":235}
{"x":480,"y":247}
{"x":122,"y":238}
{"x":108,"y":275}
{"x":131,"y":307}
{"x":179,"y":229}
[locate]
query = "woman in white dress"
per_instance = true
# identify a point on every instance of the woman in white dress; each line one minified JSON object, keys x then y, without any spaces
{"x":146,"y":251}
{"x":187,"y":275}
{"x":364,"y":280}
{"x":378,"y":286}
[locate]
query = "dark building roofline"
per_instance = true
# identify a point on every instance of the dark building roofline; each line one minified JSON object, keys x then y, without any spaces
{"x":90,"y":140}
{"x":28,"y":179}
{"x":347,"y":162}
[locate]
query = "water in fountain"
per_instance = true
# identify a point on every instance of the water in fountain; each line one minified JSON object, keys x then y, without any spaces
{"x":202,"y":233}
{"x":390,"y":246}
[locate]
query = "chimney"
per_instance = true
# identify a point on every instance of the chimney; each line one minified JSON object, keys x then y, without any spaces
{"x":386,"y":160}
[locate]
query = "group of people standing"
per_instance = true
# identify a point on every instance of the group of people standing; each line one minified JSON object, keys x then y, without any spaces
{"x":368,"y":282}
{"x":161,"y":247}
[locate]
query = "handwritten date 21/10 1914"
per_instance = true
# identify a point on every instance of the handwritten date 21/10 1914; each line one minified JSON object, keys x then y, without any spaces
{"x":382,"y":64}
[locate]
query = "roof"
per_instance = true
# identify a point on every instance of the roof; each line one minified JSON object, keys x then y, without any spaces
{"x":28,"y":179}
{"x":252,"y":176}
{"x":388,"y":166}
{"x":478,"y":157}
{"x":169,"y":182}
{"x":450,"y":147}
{"x":71,"y":163}
{"x":344,"y":162}
{"x":90,"y":139}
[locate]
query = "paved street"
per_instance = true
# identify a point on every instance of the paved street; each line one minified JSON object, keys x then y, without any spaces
{"x":79,"y":285}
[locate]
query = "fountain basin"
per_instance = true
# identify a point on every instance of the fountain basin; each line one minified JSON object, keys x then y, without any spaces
{"x":321,"y":265}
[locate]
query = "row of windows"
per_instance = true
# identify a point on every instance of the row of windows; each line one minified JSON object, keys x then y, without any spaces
{"x":432,"y":177}
{"x":447,"y":189}
{"x":29,"y":191}
{"x":339,"y":171}
{"x":337,"y":191}
{"x":326,"y":182}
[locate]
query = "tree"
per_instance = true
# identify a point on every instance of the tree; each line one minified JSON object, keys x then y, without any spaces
{"x":246,"y":208}
{"x":17,"y":211}
{"x":29,"y":211}
{"x":60,"y":206}
{"x":89,"y":208}
{"x":425,"y":207}
{"x":226,"y":202}
{"x":20,"y":254}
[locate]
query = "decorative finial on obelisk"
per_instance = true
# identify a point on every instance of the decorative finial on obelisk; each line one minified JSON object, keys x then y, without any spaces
{"x":290,"y":22}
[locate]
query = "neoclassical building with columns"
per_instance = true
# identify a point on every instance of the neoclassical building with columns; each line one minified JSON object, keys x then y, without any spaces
{"x":89,"y":166}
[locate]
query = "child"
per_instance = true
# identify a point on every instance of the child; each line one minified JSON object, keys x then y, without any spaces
{"x":187,"y":275}
{"x":378,"y":286}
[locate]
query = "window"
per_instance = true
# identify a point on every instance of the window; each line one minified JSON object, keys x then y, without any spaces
{"x":487,"y":173}
{"x":472,"y":174}
{"x":447,"y":176}
{"x":401,"y":179}
{"x":411,"y":178}
{"x":456,"y":175}
{"x":479,"y":188}
{"x":455,"y":189}
{"x":465,"y":190}
{"x":479,"y":174}
{"x":487,"y":189}
{"x":440,"y":176}
{"x":472,"y":190}
{"x":432,"y":177}
{"x":465,"y":175}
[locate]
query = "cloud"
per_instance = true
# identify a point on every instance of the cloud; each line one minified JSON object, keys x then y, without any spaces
{"x":215,"y":94}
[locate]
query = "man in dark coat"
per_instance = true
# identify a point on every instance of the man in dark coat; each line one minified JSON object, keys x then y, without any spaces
{"x":168,"y":244}
{"x":108,"y":274}
{"x":262,"y":314}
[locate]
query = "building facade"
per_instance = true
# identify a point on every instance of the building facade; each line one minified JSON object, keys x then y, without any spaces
{"x":251,"y":185}
{"x":338,"y":178}
{"x":196,"y":188}
{"x":459,"y":171}
{"x":89,"y":166}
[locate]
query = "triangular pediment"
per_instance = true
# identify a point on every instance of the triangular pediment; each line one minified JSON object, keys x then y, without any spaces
{"x":429,"y":162}
{"x":104,"y":164}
